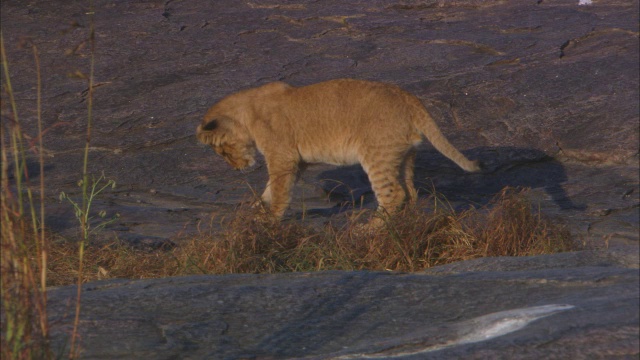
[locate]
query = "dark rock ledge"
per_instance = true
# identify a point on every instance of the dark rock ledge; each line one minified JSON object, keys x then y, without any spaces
{"x":580,"y":305}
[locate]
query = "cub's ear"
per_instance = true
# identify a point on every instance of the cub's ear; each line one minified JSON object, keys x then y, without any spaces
{"x":213,"y":132}
{"x":211,"y":125}
{"x":205,"y":132}
{"x":217,"y":123}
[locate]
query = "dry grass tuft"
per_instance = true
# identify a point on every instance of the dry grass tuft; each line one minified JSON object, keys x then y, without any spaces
{"x":512,"y":228}
{"x":412,"y":240}
{"x":23,"y":311}
{"x":416,"y":239}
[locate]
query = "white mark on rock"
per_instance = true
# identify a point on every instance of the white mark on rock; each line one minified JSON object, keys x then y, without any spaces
{"x":471,"y":331}
{"x":504,"y":322}
{"x":584,"y":2}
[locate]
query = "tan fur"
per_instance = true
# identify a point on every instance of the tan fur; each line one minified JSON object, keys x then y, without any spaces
{"x":340,"y":122}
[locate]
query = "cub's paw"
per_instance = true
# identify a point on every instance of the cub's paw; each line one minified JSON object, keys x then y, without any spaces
{"x":370,"y":228}
{"x":258,"y":204}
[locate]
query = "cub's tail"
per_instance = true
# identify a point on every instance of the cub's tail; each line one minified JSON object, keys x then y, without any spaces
{"x":426,"y":125}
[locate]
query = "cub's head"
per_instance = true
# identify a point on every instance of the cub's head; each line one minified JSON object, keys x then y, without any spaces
{"x":229,"y":139}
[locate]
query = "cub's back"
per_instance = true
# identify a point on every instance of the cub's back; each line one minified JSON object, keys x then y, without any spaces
{"x":345,"y":93}
{"x":354,"y":111}
{"x":344,"y":103}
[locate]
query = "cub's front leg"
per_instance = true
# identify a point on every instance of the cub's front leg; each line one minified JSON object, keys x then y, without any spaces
{"x":282,"y":177}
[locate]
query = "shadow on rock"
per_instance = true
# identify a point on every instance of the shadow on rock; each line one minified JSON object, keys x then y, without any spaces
{"x":503,"y":166}
{"x":32,"y":169}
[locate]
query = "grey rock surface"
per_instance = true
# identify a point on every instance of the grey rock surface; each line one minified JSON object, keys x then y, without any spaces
{"x":563,"y":306}
{"x":544,"y":92}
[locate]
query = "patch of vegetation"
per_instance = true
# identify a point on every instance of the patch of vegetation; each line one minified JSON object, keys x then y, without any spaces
{"x":412,"y":240}
{"x":23,"y":243}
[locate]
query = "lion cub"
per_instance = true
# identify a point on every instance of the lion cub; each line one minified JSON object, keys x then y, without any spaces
{"x":340,"y":122}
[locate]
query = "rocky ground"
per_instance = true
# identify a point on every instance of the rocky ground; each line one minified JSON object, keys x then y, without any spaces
{"x":564,"y":306}
{"x":544,"y":92}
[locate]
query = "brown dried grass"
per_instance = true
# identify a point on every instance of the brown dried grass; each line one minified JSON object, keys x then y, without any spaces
{"x":412,"y":240}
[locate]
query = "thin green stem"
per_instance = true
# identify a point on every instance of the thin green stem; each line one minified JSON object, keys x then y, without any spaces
{"x":74,"y":353}
{"x":16,"y":141}
{"x":43,"y":242}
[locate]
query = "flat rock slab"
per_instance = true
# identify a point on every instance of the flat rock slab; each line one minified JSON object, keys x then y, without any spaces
{"x":545,"y":92}
{"x":564,"y":306}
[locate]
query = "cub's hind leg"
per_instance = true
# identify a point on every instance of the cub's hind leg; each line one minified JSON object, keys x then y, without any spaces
{"x":407,"y":172}
{"x":384,"y":174}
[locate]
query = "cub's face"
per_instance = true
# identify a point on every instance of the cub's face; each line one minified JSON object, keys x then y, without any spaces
{"x":240,"y":156}
{"x":229,"y":140}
